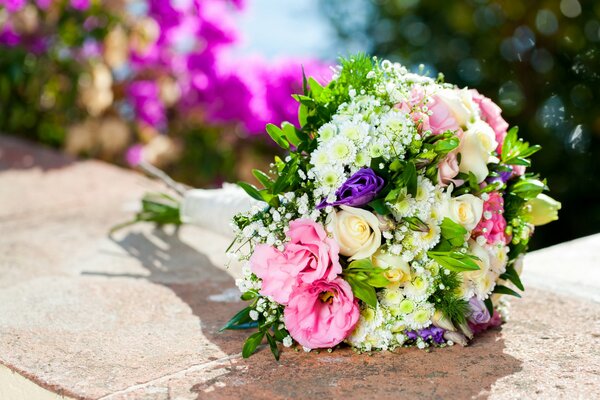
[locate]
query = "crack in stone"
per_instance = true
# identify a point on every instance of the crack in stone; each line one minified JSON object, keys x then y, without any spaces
{"x":165,"y":378}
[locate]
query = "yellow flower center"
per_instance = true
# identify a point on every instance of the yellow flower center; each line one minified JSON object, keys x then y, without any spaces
{"x":327,"y":297}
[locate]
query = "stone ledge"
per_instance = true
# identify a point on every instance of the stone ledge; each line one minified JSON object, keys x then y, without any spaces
{"x":136,"y":316}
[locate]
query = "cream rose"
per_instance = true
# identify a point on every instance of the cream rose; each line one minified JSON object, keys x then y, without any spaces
{"x":465,"y":210}
{"x":460,"y":103}
{"x":482,"y":281}
{"x":475,"y":149}
{"x":397,"y":269}
{"x":356,"y":231}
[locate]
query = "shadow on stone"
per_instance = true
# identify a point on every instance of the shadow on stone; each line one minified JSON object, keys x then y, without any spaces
{"x":209,"y":291}
{"x":21,"y":154}
{"x":455,"y":372}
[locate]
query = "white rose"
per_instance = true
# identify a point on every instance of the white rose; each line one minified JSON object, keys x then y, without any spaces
{"x":460,"y":103}
{"x":356,"y":231}
{"x":476,"y":147}
{"x":397,"y":269}
{"x":498,"y":258}
{"x":465,"y":210}
{"x":484,"y":279}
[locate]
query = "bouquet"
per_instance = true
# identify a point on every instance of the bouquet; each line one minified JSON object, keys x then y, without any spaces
{"x":399,"y":216}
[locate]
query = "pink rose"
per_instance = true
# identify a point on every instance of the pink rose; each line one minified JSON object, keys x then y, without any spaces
{"x":493,"y":228}
{"x":518,"y":170}
{"x":442,"y":119}
{"x":414,"y":106}
{"x":491,"y":113}
{"x":321,"y":314}
{"x":308,"y":256}
{"x":448,"y":169}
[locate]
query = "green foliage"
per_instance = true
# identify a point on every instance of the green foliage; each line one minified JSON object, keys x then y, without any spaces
{"x":512,"y":275}
{"x":455,"y":260}
{"x":270,"y":330}
{"x":380,"y":207}
{"x":364,"y":277}
{"x":501,"y":289}
{"x":159,"y":208}
{"x":416,"y":224}
{"x":318,"y":104}
{"x":515,"y":151}
{"x":447,"y":301}
{"x":278,"y":136}
{"x":452,"y":233}
{"x":408,"y":178}
{"x":241,"y":320}
{"x":527,"y":188}
{"x":252,"y":343}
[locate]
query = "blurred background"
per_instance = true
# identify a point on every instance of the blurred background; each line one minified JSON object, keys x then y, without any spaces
{"x":188,"y":85}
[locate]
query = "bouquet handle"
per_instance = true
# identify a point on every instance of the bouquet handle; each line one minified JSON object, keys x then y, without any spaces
{"x":214,"y":209}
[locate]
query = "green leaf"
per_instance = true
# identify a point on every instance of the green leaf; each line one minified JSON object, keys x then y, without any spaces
{"x":302,"y":114}
{"x":416,"y":224}
{"x":396,"y":165}
{"x":379,"y":206}
{"x":515,"y":151}
{"x":489,"y":305}
{"x":304,"y":82}
{"x":509,"y":141}
{"x":453,"y":232}
{"x":251,"y":190}
{"x":364,"y":264}
{"x":528,"y":188}
{"x":505,"y":290}
{"x":315,"y":87}
{"x":278,"y":136}
{"x":242,"y":317}
{"x":280,"y":334}
{"x":408,"y":178}
{"x":512,"y":275}
{"x":252,"y":343}
{"x":263,"y":178}
{"x":363,"y":291}
{"x":273,"y":346}
{"x":377,"y":279}
{"x":446,"y":146}
{"x":287,"y":178}
{"x":454,"y":260}
{"x":290,"y":133}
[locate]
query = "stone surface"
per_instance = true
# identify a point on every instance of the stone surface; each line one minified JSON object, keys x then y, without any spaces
{"x":136,"y":315}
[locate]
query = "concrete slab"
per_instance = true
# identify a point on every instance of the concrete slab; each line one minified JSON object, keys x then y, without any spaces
{"x":136,"y":316}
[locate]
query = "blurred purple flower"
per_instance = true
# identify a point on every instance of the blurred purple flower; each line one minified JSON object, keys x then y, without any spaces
{"x":145,"y":98}
{"x":134,"y":155}
{"x":44,"y":4}
{"x":9,"y":37}
{"x":80,"y":5}
{"x":13,"y":5}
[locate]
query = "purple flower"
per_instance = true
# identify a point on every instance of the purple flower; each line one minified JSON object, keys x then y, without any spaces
{"x":13,"y":6}
{"x":358,"y":190}
{"x":145,"y":97}
{"x":431,"y":333}
{"x":80,"y":5}
{"x":134,"y":155}
{"x":9,"y":37}
{"x":479,"y":313}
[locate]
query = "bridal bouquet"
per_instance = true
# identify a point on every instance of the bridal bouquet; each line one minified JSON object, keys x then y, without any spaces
{"x":399,"y":217}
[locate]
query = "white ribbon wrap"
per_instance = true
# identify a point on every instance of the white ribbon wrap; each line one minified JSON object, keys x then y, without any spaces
{"x":213,"y":209}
